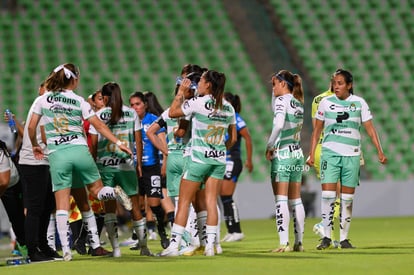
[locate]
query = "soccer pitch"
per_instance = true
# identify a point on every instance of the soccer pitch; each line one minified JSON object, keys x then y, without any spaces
{"x":383,"y":246}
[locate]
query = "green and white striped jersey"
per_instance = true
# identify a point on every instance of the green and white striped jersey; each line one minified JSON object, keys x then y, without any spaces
{"x":342,"y":122}
{"x":109,"y":154}
{"x":292,"y":110}
{"x":209,"y":128}
{"x":62,"y":114}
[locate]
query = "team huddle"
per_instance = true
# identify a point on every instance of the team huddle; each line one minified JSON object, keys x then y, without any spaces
{"x":173,"y":164}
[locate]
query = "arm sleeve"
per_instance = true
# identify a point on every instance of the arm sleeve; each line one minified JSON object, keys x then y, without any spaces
{"x":278,"y":122}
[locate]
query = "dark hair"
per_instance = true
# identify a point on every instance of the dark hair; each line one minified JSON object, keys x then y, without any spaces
{"x":192,"y":72}
{"x":294,"y":83}
{"x":61,"y":77}
{"x":234,"y":100}
{"x":218,"y":81}
{"x":190,"y":68}
{"x":95,"y":94}
{"x":153,"y":105}
{"x":113,"y":90}
{"x":347,"y":76}
{"x":140,"y":95}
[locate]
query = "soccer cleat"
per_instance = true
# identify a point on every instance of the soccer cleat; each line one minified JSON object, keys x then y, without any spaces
{"x":298,"y":247}
{"x":67,"y":257}
{"x":282,"y":248}
{"x":228,"y":236}
{"x":129,"y":242}
{"x":100,"y":251}
{"x":145,"y":251}
{"x":188,"y":250}
{"x":235,"y":237}
{"x":345,"y":244}
{"x":325,"y":243}
{"x":209,"y":251}
{"x":137,"y":246}
{"x":318,"y":230}
{"x":165,"y":242}
{"x":49,"y":252}
{"x":123,"y":198}
{"x":169,"y":252}
{"x":80,"y":247}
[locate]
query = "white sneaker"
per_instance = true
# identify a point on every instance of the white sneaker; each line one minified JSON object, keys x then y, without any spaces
{"x":128,"y":242}
{"x":169,"y":252}
{"x":209,"y":251}
{"x":116,"y":253}
{"x":123,"y":198}
{"x":228,"y":236}
{"x":67,"y":257}
{"x":235,"y":237}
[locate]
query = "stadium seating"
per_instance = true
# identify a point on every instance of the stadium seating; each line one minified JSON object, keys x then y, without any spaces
{"x":140,"y":44}
{"x":372,"y":39}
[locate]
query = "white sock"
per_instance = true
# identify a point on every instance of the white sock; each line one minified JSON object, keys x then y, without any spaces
{"x":89,"y":221}
{"x":177,"y":232}
{"x":192,"y":227}
{"x":111,"y":224}
{"x":106,"y":193}
{"x":140,"y":228}
{"x":327,"y":211}
{"x":298,"y":213}
{"x":62,"y":225}
{"x":201,"y":223}
{"x":346,"y":214}
{"x":51,"y":231}
{"x":211,"y":232}
{"x":282,"y":219}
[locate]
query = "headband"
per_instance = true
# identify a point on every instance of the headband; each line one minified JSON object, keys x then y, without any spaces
{"x":68,"y":73}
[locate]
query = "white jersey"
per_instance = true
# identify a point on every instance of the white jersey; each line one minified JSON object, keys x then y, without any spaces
{"x":62,"y":117}
{"x":292,"y":110}
{"x":342,"y":121}
{"x":109,"y":155}
{"x":209,"y":128}
{"x":26,"y":155}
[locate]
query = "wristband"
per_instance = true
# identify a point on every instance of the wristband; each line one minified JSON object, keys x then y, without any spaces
{"x":118,"y":142}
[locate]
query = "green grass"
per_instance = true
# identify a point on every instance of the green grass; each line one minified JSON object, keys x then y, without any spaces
{"x":384,"y":246}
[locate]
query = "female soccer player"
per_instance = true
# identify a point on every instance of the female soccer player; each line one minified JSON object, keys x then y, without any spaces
{"x":285,"y":153}
{"x":118,"y":169}
{"x":212,"y":118}
{"x":234,"y":167}
{"x":62,"y":111}
{"x":340,"y":117}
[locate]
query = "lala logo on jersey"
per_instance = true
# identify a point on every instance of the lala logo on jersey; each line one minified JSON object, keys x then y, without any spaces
{"x":320,"y":113}
{"x":64,"y":139}
{"x":214,"y":154}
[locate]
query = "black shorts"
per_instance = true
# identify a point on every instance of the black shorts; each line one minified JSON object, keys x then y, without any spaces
{"x":234,"y":168}
{"x":150,"y":182}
